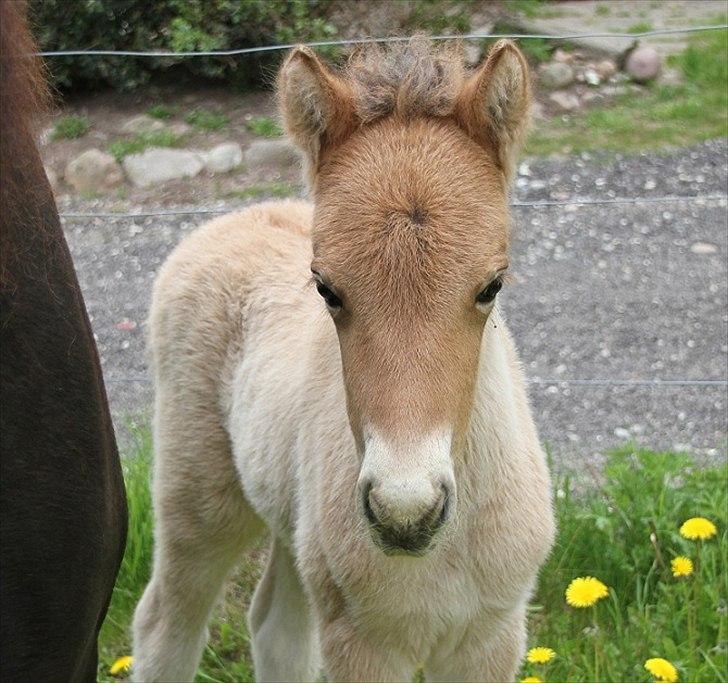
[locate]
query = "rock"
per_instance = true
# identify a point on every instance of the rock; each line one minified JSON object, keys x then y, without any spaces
{"x":703,"y":248}
{"x":224,"y":157}
{"x":562,"y":56}
{"x":606,"y":69}
{"x":141,"y":124}
{"x":565,"y":101}
{"x":472,"y":54}
{"x":643,"y":64}
{"x":555,"y":75}
{"x":278,"y":152}
{"x":157,"y":165}
{"x":180,"y":128}
{"x":592,"y":77}
{"x":614,"y":90}
{"x":52,"y":179}
{"x":92,"y":171}
{"x":537,"y":111}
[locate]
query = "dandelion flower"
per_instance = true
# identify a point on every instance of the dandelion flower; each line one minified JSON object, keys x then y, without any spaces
{"x":681,"y":566}
{"x":698,"y":529}
{"x":540,"y":655}
{"x":531,"y":679}
{"x":661,"y":669}
{"x":121,"y":665}
{"x":585,"y":591}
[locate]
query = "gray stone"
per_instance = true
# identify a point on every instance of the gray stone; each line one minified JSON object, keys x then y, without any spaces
{"x":93,"y":171}
{"x":592,"y":77}
{"x":473,"y":53}
{"x":565,"y":101}
{"x":141,"y":124}
{"x":643,"y":64}
{"x":555,"y":75}
{"x":52,"y":179}
{"x":224,"y":157}
{"x":157,"y":165}
{"x":562,"y":56}
{"x":280,"y":152}
{"x":180,"y":128}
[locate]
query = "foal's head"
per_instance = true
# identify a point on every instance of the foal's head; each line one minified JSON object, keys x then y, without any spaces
{"x":409,"y":156}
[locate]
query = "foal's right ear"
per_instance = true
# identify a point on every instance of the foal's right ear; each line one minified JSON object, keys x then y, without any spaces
{"x":316,"y":105}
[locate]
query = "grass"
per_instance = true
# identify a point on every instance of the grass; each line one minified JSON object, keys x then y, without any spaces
{"x":640,"y":27}
{"x":265,"y":126}
{"x":70,"y":127}
{"x":274,"y":189}
{"x":603,"y":532}
{"x":684,"y":114}
{"x":161,"y":111}
{"x":152,"y":138}
{"x":207,"y":119}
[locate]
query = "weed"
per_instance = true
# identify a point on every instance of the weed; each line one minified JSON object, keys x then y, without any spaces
{"x":603,"y":10}
{"x":141,"y":141}
{"x":207,"y":119}
{"x":162,"y":111}
{"x":640,"y":27}
{"x":70,"y":127}
{"x":264,"y":125}
{"x":279,"y":190}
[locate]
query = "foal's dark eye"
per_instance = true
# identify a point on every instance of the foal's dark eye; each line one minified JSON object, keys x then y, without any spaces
{"x":332,"y":301}
{"x":488,"y":294}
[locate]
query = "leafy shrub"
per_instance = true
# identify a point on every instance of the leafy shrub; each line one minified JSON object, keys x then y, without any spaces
{"x":206,"y":119}
{"x":172,"y":25}
{"x":70,"y":128}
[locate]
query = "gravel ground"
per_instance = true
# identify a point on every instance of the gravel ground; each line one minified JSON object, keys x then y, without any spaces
{"x":615,"y":292}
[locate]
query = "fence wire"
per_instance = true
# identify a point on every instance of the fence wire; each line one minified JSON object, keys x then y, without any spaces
{"x":572,"y":201}
{"x":364,"y":41}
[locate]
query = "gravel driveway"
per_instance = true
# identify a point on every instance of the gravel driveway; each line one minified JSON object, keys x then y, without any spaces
{"x":606,"y":292}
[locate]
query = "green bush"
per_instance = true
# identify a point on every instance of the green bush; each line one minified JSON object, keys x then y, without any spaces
{"x":207,"y":119}
{"x":176,"y":25}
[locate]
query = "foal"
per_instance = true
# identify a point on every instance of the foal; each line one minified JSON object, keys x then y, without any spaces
{"x":381,"y":432}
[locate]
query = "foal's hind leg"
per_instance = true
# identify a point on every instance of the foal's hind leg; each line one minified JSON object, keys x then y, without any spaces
{"x":202,"y":524}
{"x":284,"y":639}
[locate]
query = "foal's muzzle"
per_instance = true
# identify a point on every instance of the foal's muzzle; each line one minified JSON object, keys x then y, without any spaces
{"x":405,"y":534}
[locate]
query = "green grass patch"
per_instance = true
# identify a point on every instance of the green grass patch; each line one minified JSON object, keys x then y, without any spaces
{"x":665,"y":115}
{"x":640,"y":27}
{"x":266,"y":126}
{"x":603,"y":10}
{"x":276,"y":189}
{"x":162,"y":112}
{"x":604,"y":531}
{"x":143,"y":140}
{"x":625,"y":533}
{"x":70,"y":127}
{"x":207,"y":119}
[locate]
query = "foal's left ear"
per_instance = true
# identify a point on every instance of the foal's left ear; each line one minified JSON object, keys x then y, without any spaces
{"x":494,"y":104}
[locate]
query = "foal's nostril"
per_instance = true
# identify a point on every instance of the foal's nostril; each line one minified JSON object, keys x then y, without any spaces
{"x":366,"y":490}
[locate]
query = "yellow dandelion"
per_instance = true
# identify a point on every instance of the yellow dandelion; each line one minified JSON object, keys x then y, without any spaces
{"x":121,"y":666}
{"x":540,"y":655}
{"x":698,"y":528}
{"x":681,"y":566}
{"x":585,"y":591}
{"x":662,"y":670}
{"x":531,"y":679}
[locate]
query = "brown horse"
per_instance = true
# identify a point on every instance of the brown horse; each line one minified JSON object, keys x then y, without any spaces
{"x":62,"y":502}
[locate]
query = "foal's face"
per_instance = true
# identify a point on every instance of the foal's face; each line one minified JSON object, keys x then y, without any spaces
{"x":410,"y":244}
{"x":409,"y":154}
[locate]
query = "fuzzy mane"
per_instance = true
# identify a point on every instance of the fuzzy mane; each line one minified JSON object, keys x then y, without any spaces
{"x":412,"y":78}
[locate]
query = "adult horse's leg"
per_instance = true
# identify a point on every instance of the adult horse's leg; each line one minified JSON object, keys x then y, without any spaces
{"x":203,"y":523}
{"x":284,"y":639}
{"x":478,"y":658}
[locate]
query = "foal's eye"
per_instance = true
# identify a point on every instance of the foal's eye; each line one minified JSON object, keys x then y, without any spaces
{"x":488,"y":294}
{"x":332,"y":301}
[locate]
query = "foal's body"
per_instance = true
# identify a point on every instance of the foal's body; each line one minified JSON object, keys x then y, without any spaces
{"x":255,"y":428}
